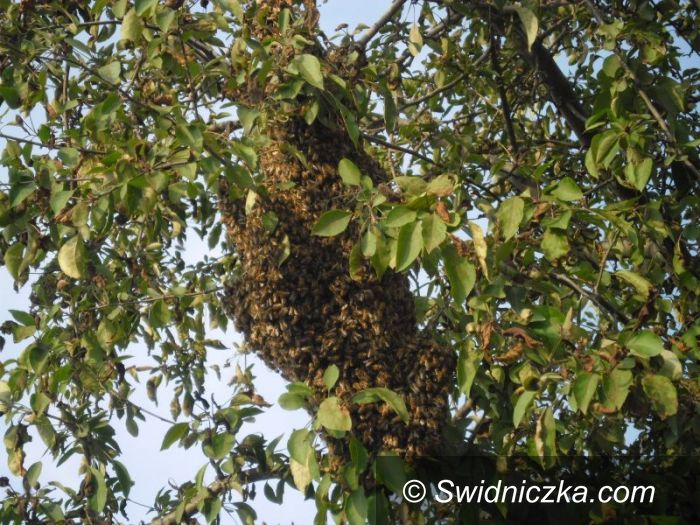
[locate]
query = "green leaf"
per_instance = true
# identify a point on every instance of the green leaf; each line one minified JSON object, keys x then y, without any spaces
{"x":434,"y":231}
{"x":356,"y":507}
{"x":440,"y":186}
{"x":174,"y":433}
{"x":59,"y":199}
{"x":301,"y":474}
{"x":69,"y":156}
{"x":645,"y":344}
{"x":110,"y":72}
{"x":672,"y":367}
{"x":10,"y":95}
{"x":640,"y":283}
{"x":373,"y":395}
{"x":584,"y":389}
{"x":603,"y":148}
{"x":299,"y":445}
{"x":399,"y":216}
{"x":510,"y":215}
{"x":368,"y":243}
{"x":411,"y":185}
{"x":19,"y":192}
{"x":310,"y":69}
{"x":13,"y":259}
{"x":333,"y":416}
{"x":45,"y":429}
{"x":358,"y":454}
{"x":99,"y":498}
{"x":460,"y":273}
{"x":410,"y":243}
{"x":391,"y":472}
{"x":530,"y":24}
{"x":212,"y":508}
{"x":638,"y":173}
{"x":72,"y":257}
{"x":142,"y":6}
{"x":591,"y":164}
{"x":662,"y":394}
{"x":311,"y":112}
{"x":522,"y":405}
{"x":554,"y":244}
{"x":331,"y":223}
{"x":5,"y":397}
{"x":330,"y":376}
{"x":219,"y":445}
{"x":415,"y":40}
{"x":480,"y":246}
{"x":349,"y":172}
{"x":37,"y":357}
{"x":467,"y":367}
{"x":123,"y":477}
{"x":546,"y":434}
{"x":616,"y":387}
{"x":247,"y":117}
{"x":567,"y":190}
{"x":291,"y":401}
{"x":355,"y":265}
{"x":160,"y":314}
{"x":132,"y":27}
{"x":32,"y":475}
{"x":164,"y":19}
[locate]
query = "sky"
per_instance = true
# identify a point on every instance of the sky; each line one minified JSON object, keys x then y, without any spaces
{"x":150,"y":468}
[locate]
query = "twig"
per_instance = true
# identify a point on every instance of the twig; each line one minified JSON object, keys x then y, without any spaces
{"x":214,"y":490}
{"x":601,"y":303}
{"x":505,"y":106}
{"x":47,"y":146}
{"x":418,"y":155}
{"x":385,"y":18}
{"x":390,"y":145}
{"x":146,"y":300}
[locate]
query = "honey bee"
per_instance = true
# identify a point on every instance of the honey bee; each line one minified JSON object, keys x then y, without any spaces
{"x":306,"y":312}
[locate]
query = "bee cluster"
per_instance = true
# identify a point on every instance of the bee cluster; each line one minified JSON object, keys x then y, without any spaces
{"x":300,"y":310}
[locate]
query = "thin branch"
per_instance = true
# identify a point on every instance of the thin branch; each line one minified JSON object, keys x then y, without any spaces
{"x":146,"y":300}
{"x":390,"y":145}
{"x":600,"y":302}
{"x":215,"y":489}
{"x":447,"y":86}
{"x":385,"y":19}
{"x":418,"y":155}
{"x":436,"y":31}
{"x":47,"y":146}
{"x":505,"y":106}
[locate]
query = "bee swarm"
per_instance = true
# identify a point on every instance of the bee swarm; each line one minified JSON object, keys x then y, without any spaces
{"x":306,"y":313}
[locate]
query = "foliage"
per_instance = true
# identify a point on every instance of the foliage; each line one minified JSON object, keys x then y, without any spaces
{"x":547,"y":214}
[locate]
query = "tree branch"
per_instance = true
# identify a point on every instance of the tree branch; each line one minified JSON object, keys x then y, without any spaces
{"x":505,"y":106}
{"x":215,"y":489}
{"x":447,"y":86}
{"x":385,"y":19}
{"x":599,"y":301}
{"x":418,"y":155}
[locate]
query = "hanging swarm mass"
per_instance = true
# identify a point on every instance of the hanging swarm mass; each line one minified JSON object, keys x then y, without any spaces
{"x":306,"y":313}
{"x":295,"y":301}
